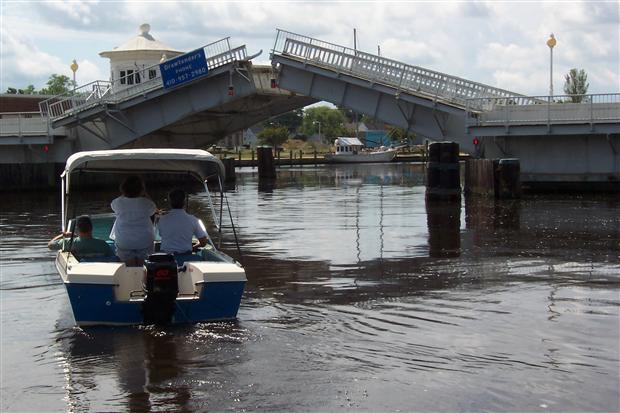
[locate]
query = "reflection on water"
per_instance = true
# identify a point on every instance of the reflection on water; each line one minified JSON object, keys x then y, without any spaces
{"x":360,"y":295}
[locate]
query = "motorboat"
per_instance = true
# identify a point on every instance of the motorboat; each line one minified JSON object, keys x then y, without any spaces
{"x":205,"y":285}
{"x":352,"y":150}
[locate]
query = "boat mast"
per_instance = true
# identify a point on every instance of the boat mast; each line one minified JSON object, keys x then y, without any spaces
{"x":357,"y":129}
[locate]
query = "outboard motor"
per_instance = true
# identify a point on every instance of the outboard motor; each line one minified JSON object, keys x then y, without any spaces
{"x":162,"y":287}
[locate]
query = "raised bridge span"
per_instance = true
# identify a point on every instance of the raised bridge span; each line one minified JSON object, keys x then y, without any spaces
{"x":555,"y":140}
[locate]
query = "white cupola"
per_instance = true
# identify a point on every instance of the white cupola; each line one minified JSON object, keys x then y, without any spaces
{"x":136,"y":60}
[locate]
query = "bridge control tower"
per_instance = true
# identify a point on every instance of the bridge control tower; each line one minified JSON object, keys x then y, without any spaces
{"x":129,"y":61}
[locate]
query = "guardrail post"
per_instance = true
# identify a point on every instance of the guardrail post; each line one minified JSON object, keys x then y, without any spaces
{"x":591,"y":113}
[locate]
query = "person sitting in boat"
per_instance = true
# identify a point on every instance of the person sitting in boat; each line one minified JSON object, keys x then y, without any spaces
{"x":132,"y":231}
{"x":84,"y":244}
{"x":177,"y":228}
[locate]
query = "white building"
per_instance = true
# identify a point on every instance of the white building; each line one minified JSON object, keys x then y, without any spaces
{"x":137,"y":60}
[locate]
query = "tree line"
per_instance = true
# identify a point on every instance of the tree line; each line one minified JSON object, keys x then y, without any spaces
{"x":56,"y":85}
{"x":324,"y":122}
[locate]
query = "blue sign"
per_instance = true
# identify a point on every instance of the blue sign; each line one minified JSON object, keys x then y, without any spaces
{"x":184,"y":68}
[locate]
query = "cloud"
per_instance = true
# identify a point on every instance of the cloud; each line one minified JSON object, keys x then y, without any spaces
{"x":20,"y":56}
{"x":475,"y":9}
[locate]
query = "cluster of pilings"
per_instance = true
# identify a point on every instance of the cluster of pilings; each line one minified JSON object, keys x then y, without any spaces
{"x":484,"y":178}
{"x":498,"y":178}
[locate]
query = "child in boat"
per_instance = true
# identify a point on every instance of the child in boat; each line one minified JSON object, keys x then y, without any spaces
{"x":133,"y":229}
{"x":177,"y":227}
{"x":84,"y":245}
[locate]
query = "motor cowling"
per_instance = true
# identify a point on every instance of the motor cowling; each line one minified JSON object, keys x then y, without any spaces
{"x":162,"y":288}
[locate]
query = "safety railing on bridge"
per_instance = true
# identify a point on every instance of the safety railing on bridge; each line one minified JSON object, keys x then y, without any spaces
{"x":377,"y":69}
{"x":529,"y":110}
{"x":22,"y":124}
{"x":141,"y":81}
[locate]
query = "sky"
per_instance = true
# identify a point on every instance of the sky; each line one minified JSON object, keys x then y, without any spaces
{"x":502,"y":44}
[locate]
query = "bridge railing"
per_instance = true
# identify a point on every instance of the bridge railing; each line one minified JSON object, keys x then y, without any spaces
{"x":139,"y":82}
{"x":22,"y":124}
{"x":523,"y":110}
{"x":414,"y":79}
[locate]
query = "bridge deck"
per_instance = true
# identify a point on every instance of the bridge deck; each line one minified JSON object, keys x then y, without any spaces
{"x":98,"y":94}
{"x":377,"y":69}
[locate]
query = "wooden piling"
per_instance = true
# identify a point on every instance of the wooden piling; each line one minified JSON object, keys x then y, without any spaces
{"x":508,"y":179}
{"x":499,"y":178}
{"x":444,"y":228}
{"x":443,"y":172}
{"x":229,"y":167}
{"x":266,"y":166}
{"x":480,"y":177}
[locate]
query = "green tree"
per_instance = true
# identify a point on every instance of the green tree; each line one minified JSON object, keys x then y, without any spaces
{"x":291,"y":120}
{"x":273,"y":135}
{"x":576,"y":84}
{"x":331,"y":121}
{"x":30,"y":90}
{"x":58,"y":85}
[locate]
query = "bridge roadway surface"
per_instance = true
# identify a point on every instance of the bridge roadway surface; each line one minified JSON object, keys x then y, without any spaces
{"x":555,"y":142}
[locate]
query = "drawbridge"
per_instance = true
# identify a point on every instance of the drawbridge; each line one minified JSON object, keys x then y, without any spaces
{"x":420,"y":100}
{"x":232,"y":96}
{"x":557,"y":138}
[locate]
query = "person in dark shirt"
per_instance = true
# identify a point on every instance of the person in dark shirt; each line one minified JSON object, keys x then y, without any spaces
{"x":84,"y":244}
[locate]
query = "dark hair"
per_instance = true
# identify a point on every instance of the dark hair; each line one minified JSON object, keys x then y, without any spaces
{"x":132,"y":186}
{"x":176,"y":197}
{"x":84,"y":224}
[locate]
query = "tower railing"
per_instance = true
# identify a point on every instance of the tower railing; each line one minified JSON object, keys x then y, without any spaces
{"x":141,"y":81}
{"x":378,"y":69}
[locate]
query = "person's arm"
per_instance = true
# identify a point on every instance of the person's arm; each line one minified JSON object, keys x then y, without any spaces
{"x":56,"y":243}
{"x":202,"y":241}
{"x":201,"y":234}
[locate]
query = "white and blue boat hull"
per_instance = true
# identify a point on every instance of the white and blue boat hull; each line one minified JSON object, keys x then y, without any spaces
{"x":112,"y":294}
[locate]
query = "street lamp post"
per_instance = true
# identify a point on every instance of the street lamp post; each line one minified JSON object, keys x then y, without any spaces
{"x":551,"y":42}
{"x":74,"y":67}
{"x":319,"y":123}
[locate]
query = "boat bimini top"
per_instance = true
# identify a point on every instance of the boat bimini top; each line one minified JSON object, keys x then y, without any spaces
{"x":194,"y":161}
{"x":198,"y":163}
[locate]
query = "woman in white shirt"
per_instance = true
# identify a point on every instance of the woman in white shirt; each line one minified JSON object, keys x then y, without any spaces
{"x":132,"y":231}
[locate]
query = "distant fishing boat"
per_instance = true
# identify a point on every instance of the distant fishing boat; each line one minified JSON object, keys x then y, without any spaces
{"x":352,"y":150}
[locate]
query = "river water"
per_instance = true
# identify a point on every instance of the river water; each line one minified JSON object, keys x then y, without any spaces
{"x":360,"y":296}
